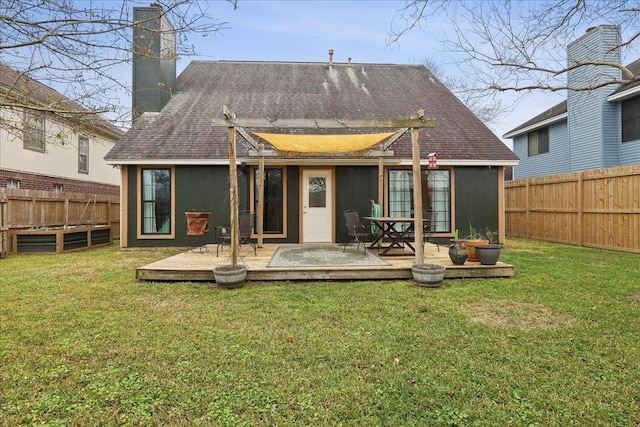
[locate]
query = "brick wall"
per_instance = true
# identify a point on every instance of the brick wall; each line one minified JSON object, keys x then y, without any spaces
{"x":46,"y":183}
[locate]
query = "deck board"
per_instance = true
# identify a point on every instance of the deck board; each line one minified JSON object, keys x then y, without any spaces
{"x":197,"y":265}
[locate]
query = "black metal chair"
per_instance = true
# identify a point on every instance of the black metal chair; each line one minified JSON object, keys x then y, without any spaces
{"x":246,"y":222}
{"x":356,"y":230}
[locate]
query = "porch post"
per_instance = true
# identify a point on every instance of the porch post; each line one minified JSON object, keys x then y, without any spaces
{"x":260,"y":195}
{"x":381,"y":182}
{"x":417,"y":190}
{"x":233,"y":189}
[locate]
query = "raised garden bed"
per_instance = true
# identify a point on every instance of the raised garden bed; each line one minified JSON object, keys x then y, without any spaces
{"x":60,"y":239}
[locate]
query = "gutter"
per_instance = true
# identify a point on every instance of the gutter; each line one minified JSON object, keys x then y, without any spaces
{"x":535,"y":126}
{"x":310,"y":161}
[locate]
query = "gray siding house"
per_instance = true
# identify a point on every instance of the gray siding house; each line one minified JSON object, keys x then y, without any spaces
{"x":592,"y":129}
{"x":175,"y":160}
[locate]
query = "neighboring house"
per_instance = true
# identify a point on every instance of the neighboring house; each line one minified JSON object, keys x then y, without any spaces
{"x":44,"y":145}
{"x":175,"y":160}
{"x":591,"y":129}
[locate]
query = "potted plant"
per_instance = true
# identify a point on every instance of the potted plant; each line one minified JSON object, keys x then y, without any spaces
{"x":458,"y":250}
{"x":489,"y":254}
{"x":428,"y":275}
{"x":230,"y":276}
{"x":474,"y":239}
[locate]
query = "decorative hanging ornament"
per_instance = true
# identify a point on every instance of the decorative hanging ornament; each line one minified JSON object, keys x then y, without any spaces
{"x":433,"y":160}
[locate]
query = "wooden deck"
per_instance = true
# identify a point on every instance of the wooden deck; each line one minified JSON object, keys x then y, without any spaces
{"x":197,"y":265}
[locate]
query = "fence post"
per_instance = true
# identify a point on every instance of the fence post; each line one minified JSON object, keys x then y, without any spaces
{"x":66,"y":210}
{"x":580,"y":209}
{"x":528,"y":201}
{"x":4,"y":231}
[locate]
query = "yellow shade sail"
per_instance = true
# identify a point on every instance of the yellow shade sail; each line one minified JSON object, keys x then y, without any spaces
{"x":323,"y":143}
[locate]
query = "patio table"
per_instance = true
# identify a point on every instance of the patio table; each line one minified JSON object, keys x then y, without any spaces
{"x":390,"y":227}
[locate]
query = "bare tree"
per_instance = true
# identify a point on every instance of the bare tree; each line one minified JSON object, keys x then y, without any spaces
{"x":488,"y":107}
{"x":520,"y":45}
{"x":77,"y":48}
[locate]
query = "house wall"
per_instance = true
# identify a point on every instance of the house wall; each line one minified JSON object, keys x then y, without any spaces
{"x":199,"y":188}
{"x":206,"y":188}
{"x":355,"y":185}
{"x":594,"y":123}
{"x":630,"y":152}
{"x":60,"y":157}
{"x":555,"y":161}
{"x":29,"y":181}
{"x":476,"y":198}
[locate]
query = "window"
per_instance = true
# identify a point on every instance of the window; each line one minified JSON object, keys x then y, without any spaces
{"x":58,"y":188}
{"x":13,"y":183}
{"x":631,"y":119}
{"x":436,"y":196}
{"x":538,"y":142}
{"x":156,"y":203}
{"x":33,"y":131}
{"x":274,"y":200}
{"x":83,"y":154}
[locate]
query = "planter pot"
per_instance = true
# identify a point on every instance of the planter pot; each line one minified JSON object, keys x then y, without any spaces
{"x":197,"y":223}
{"x":229,"y":276}
{"x":458,"y":252}
{"x":488,"y":254}
{"x":428,"y":275}
{"x":471,"y":248}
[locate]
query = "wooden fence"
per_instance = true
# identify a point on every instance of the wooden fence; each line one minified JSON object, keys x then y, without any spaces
{"x":597,"y":208}
{"x":24,"y":209}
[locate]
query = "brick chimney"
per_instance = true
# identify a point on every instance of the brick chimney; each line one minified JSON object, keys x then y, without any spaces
{"x":154,"y":60}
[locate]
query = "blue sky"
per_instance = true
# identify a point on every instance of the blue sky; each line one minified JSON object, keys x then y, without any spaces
{"x":305,"y":30}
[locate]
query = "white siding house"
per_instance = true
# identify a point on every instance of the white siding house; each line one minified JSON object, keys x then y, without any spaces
{"x":42,"y":150}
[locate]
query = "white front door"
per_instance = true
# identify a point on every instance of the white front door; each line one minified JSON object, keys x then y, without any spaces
{"x":317,"y":206}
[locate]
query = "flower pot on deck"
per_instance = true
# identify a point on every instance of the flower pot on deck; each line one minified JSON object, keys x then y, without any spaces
{"x":471,"y":248}
{"x":488,"y":254}
{"x":458,"y":251}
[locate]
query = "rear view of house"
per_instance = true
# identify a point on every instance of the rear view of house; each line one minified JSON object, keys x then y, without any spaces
{"x":176,"y":159}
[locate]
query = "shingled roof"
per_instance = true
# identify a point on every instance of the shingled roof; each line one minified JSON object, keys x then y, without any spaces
{"x":20,"y":91}
{"x":182,"y":131}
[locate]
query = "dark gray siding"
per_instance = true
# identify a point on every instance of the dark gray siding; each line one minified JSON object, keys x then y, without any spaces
{"x":476,"y":199}
{"x":198,"y":188}
{"x":355,"y":185}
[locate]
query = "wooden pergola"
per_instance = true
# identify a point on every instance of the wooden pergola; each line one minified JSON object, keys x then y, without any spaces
{"x":237,"y":125}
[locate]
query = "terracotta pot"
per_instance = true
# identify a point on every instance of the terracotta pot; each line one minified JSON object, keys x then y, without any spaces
{"x":197,"y":223}
{"x":471,"y":248}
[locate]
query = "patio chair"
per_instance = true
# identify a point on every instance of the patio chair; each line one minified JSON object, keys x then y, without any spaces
{"x":246,"y":220}
{"x":356,"y":230}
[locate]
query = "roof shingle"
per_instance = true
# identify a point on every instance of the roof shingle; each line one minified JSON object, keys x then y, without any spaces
{"x":183,"y":130}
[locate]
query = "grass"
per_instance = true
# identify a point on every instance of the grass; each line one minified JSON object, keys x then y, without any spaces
{"x":84,"y":343}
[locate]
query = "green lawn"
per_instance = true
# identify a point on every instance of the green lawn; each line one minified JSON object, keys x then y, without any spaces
{"x":83,"y":343}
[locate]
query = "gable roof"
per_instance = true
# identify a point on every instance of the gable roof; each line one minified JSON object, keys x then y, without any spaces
{"x":19,"y":90}
{"x":183,"y":131}
{"x":559,"y":111}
